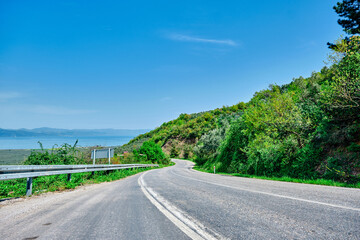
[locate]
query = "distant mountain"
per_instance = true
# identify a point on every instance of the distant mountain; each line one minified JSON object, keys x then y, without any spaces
{"x":42,"y":132}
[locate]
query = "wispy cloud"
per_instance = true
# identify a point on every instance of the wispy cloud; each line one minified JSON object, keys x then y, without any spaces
{"x":4,"y":96}
{"x":185,"y":38}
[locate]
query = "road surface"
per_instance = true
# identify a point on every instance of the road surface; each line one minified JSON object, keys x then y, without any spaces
{"x":180,"y":203}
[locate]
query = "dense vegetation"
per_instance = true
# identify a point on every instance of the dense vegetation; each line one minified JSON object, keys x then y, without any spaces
{"x":308,"y":129}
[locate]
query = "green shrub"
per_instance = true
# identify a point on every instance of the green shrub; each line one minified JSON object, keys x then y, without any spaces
{"x":208,"y":145}
{"x":154,"y":152}
{"x":232,"y":156}
{"x":64,"y":155}
{"x":308,"y":158}
{"x":187,"y":151}
{"x":174,"y":151}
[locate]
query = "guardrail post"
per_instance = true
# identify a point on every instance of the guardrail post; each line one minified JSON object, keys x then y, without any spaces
{"x":29,"y":186}
{"x":69,"y":177}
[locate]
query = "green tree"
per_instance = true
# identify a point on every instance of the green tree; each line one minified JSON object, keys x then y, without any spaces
{"x":276,"y":114}
{"x":153,"y":152}
{"x":349,"y":11}
{"x":232,"y":156}
{"x":341,"y":93}
{"x":207,"y":146}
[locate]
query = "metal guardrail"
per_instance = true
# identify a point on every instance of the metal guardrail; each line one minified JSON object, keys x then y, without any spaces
{"x":8,"y":172}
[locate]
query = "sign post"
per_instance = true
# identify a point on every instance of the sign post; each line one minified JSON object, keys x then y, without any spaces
{"x":94,"y":156}
{"x":102,"y":153}
{"x":214,"y":169}
{"x":109,"y":155}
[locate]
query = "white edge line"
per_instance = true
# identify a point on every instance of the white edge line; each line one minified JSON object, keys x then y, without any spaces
{"x":174,"y":215}
{"x":272,"y":194}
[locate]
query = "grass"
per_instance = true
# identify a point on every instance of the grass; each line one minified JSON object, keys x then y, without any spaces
{"x":17,"y":187}
{"x":325,"y":182}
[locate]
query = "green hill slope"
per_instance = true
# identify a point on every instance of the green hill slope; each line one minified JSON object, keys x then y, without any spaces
{"x":179,"y":136}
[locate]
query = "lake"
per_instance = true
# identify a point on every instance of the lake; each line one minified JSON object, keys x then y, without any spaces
{"x":49,"y":142}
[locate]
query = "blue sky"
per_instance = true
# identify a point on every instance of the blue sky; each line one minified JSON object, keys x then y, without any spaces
{"x":137,"y":64}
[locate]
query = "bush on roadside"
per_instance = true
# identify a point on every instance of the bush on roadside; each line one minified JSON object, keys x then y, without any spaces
{"x":154,"y":152}
{"x":63,"y":155}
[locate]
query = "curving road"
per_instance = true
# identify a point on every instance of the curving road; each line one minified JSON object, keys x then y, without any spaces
{"x":180,"y":203}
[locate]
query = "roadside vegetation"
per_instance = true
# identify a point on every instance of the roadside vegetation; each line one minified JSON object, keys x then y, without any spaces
{"x":69,"y":155}
{"x":17,"y":187}
{"x":307,"y":129}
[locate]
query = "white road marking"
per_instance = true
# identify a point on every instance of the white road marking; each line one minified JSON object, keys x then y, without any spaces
{"x":271,"y":194}
{"x":187,"y":224}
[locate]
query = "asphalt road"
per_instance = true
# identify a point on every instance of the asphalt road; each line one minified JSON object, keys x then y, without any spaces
{"x":180,"y":203}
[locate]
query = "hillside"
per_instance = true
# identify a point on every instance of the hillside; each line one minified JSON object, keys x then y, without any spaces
{"x":179,"y":136}
{"x":309,"y":128}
